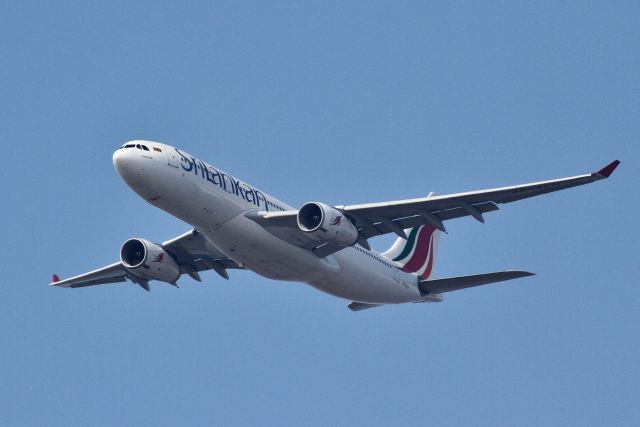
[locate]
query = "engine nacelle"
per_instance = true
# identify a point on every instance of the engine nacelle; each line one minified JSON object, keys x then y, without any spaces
{"x":326,"y":224}
{"x":149,"y":261}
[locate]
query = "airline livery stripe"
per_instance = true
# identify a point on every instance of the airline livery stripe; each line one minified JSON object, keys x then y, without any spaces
{"x":422,"y":250}
{"x":425,"y":275}
{"x":409,"y":245}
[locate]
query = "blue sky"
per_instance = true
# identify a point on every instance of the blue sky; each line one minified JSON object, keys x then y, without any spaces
{"x":343,"y":102}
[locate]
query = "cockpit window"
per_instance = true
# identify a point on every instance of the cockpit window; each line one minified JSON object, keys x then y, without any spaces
{"x":138,"y":146}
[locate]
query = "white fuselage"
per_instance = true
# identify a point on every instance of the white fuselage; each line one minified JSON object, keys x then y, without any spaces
{"x":215,"y":203}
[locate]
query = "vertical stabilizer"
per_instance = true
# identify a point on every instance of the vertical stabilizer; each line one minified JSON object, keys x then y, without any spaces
{"x":417,"y":253}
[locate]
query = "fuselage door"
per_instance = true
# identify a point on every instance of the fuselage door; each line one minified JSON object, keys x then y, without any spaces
{"x":172,"y":157}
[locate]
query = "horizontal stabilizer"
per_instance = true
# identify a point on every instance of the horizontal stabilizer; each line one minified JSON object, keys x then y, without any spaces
{"x":438,"y":286}
{"x":357,"y":306}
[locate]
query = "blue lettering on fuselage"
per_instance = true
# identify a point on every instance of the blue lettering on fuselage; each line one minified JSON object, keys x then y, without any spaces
{"x":222,"y":180}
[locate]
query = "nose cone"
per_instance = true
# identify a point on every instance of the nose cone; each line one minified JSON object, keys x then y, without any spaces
{"x":116,"y":159}
{"x":136,"y":166}
{"x":123,"y":162}
{"x":130,"y":162}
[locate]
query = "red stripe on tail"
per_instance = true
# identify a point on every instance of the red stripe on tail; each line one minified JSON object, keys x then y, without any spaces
{"x":427,"y":271}
{"x":422,"y":250}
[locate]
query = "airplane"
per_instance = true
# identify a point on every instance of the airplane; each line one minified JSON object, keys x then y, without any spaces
{"x":237,"y":226}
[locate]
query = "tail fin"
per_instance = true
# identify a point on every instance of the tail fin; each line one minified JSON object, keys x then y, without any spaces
{"x":417,"y":253}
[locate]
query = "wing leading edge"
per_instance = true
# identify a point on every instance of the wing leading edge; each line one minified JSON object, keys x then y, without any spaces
{"x":375,"y":219}
{"x":192,"y":252}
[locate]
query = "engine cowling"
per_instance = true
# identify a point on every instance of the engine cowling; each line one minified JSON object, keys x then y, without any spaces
{"x":149,"y":261}
{"x":326,"y":224}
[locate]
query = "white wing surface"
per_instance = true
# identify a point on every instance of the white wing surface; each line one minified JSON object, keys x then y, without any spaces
{"x":374,"y":219}
{"x":113,"y":273}
{"x":191,"y":251}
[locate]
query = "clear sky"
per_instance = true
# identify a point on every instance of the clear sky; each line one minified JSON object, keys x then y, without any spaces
{"x":342,"y":102}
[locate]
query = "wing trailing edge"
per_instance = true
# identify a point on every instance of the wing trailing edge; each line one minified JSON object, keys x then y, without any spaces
{"x":375,"y":219}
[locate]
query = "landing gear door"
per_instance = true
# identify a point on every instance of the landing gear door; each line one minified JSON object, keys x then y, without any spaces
{"x":172,"y":158}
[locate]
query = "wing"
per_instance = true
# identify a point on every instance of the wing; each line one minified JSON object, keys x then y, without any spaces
{"x":113,"y":273}
{"x":194,"y":253}
{"x":191,"y":250}
{"x":374,"y":219}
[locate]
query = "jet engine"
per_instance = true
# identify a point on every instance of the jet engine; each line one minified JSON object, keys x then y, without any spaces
{"x":149,"y":261}
{"x":326,"y":224}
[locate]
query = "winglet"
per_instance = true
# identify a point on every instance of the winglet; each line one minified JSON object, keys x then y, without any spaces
{"x":55,"y":278}
{"x":608,"y":170}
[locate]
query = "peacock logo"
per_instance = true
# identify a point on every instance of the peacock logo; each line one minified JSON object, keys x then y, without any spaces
{"x":158,"y":258}
{"x":336,"y":221}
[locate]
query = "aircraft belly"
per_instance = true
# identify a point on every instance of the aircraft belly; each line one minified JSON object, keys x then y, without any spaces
{"x":362,"y":281}
{"x":342,"y":274}
{"x":256,"y":249}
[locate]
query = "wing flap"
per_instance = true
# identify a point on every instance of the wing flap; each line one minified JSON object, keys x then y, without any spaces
{"x":98,"y":282}
{"x":439,"y":286}
{"x":193,"y":249}
{"x":378,"y":228}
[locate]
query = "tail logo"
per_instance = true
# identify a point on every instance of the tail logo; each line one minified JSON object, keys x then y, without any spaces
{"x":158,"y":258}
{"x":418,"y":252}
{"x":336,"y":221}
